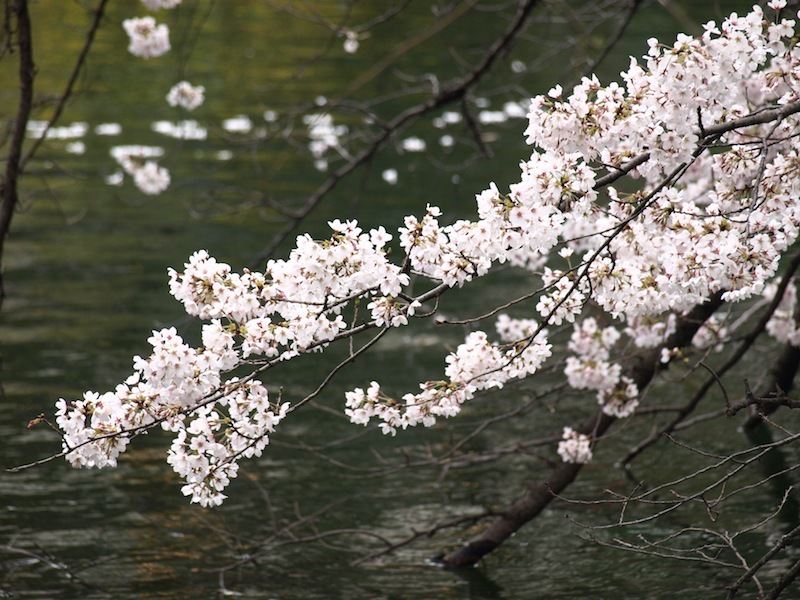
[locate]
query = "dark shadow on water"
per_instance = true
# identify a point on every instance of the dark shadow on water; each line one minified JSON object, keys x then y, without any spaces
{"x":480,"y":585}
{"x":776,"y":467}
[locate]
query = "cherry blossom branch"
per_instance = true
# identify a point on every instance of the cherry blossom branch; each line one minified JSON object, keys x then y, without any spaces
{"x":776,"y":399}
{"x":708,"y":135}
{"x":638,"y":210}
{"x":759,"y":117}
{"x":783,"y":371}
{"x":214,"y":396}
{"x":659,"y":250}
{"x":541,"y":493}
{"x":782,"y":377}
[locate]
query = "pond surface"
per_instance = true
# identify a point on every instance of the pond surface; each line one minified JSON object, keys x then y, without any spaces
{"x":87,"y":279}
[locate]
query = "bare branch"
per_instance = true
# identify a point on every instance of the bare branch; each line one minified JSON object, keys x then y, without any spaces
{"x":14,"y":162}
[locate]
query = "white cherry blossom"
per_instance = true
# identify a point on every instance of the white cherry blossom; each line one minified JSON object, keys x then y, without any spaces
{"x":186,"y":95}
{"x":574,"y":447}
{"x":147,"y":39}
{"x":690,"y":224}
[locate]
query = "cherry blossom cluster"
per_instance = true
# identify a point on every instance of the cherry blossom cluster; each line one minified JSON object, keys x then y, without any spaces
{"x":655,"y":252}
{"x":205,"y":453}
{"x":186,"y":95}
{"x":725,"y":224}
{"x":591,"y":369}
{"x":696,"y":81}
{"x":476,"y":365}
{"x":147,"y":39}
{"x":520,"y":227}
{"x":233,"y":420}
{"x":575,"y":447}
{"x":700,"y":222}
{"x":783,"y":325}
{"x":711,"y":335}
{"x":566,"y":298}
{"x":294,"y":307}
{"x":649,"y":331}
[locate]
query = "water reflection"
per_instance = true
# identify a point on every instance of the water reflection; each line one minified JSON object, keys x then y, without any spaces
{"x":182,"y":130}
{"x":480,"y":586}
{"x":87,"y":282}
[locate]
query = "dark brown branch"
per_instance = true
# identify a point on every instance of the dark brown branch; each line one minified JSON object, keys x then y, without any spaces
{"x":757,"y":118}
{"x":429,"y":532}
{"x":541,"y":493}
{"x":773,"y":401}
{"x":782,"y":376}
{"x":786,"y":579}
{"x":15,"y":163}
{"x":782,"y":373}
{"x":27,"y":71}
{"x":783,"y":542}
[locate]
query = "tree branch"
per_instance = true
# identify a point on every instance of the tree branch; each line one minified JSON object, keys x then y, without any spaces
{"x":453,"y":92}
{"x":782,"y":373}
{"x":27,"y":71}
{"x":16,"y":162}
{"x":541,"y":493}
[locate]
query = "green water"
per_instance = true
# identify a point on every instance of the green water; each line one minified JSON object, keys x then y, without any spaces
{"x":86,"y":275}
